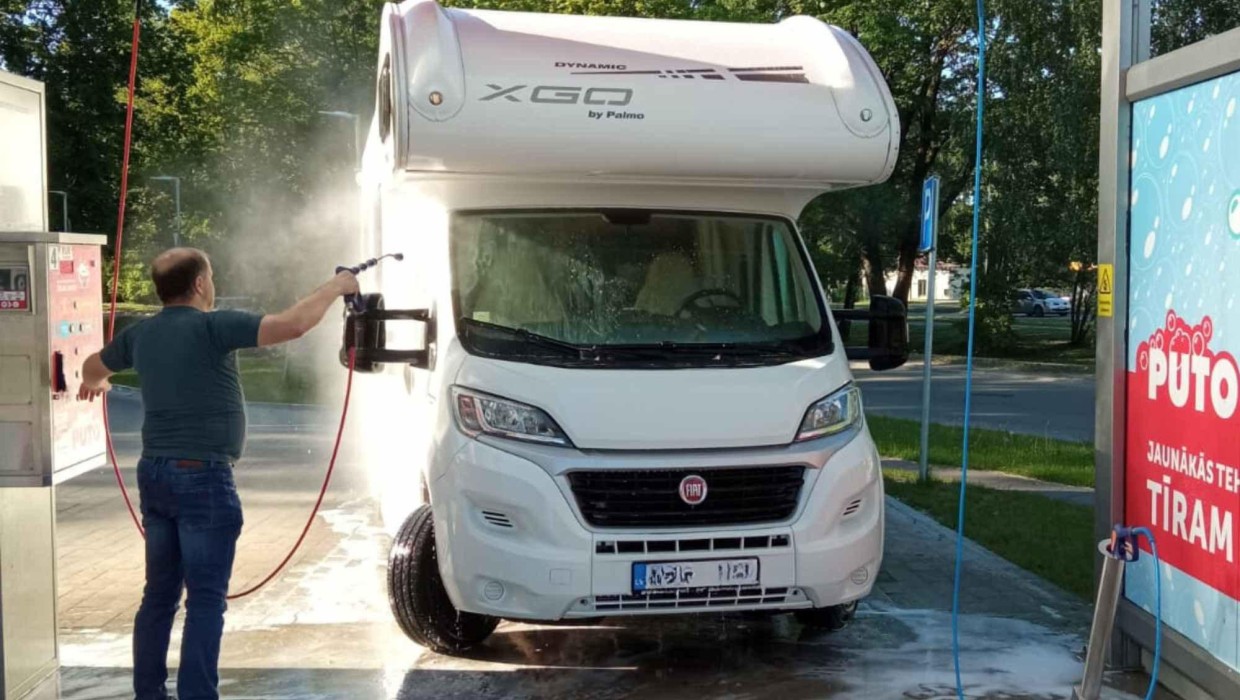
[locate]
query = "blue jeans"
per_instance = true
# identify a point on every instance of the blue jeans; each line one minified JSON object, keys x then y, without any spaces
{"x":192,"y":516}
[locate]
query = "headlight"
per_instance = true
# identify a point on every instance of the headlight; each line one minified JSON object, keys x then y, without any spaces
{"x":834,"y":414}
{"x":482,"y":414}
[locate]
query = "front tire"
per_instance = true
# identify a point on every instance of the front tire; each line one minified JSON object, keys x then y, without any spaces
{"x":831,"y":619}
{"x":419,"y":600}
{"x":1038,"y":312}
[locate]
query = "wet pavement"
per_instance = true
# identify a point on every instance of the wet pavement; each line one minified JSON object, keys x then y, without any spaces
{"x":323,"y":630}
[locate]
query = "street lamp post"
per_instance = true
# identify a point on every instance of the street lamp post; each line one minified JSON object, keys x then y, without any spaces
{"x":357,"y":137}
{"x":176,"y":189}
{"x":64,"y":208}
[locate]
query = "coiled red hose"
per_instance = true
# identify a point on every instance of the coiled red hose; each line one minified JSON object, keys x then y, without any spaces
{"x":116,"y":269}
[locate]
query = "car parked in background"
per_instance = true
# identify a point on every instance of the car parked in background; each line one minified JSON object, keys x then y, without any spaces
{"x":1038,"y":302}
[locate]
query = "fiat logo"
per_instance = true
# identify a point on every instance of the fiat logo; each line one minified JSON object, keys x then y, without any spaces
{"x":693,"y":489}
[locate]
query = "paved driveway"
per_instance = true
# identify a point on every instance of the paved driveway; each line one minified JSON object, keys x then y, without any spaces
{"x":323,"y":629}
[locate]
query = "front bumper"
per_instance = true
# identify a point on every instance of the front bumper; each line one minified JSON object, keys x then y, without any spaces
{"x":512,"y":544}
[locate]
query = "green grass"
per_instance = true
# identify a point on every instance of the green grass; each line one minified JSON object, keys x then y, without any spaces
{"x":1059,"y":461}
{"x":1050,"y":538}
{"x":131,"y":307}
{"x":262,"y":378}
{"x":1041,"y":340}
{"x":1036,"y":340}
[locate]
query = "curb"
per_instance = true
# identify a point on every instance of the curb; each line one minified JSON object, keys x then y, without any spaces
{"x":973,"y":550}
{"x":1002,"y":363}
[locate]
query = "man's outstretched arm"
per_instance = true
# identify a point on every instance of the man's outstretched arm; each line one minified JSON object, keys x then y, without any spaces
{"x":302,"y":317}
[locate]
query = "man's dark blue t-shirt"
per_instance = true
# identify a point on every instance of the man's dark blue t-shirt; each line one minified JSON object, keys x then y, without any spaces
{"x":191,"y":390}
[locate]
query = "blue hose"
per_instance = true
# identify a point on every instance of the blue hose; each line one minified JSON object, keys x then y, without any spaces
{"x":968,"y":381}
{"x":1149,"y":694}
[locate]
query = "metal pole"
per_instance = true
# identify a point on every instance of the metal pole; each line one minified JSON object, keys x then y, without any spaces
{"x":929,"y":244}
{"x":176,"y":232}
{"x":357,"y":125}
{"x":1125,"y":42}
{"x":64,"y":208}
{"x":1109,"y":587}
{"x":357,"y":142}
{"x":923,"y":471}
{"x":176,"y":189}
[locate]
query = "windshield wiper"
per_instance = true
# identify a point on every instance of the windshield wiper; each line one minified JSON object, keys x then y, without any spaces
{"x":534,"y":339}
{"x":670,"y":349}
{"x":646,"y":352}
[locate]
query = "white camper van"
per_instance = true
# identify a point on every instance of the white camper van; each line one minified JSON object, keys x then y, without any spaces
{"x":621,"y":388}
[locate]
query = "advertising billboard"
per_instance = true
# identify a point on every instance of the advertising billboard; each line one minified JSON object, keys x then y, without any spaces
{"x":1183,"y":422}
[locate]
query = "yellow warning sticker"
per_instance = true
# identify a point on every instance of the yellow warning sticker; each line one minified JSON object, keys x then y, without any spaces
{"x":1106,"y":290}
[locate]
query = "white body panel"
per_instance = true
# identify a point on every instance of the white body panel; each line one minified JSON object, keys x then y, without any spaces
{"x":723,"y":145}
{"x":794,"y":105}
{"x":23,"y":170}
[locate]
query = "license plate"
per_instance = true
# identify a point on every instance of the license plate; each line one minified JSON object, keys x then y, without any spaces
{"x":670,"y":575}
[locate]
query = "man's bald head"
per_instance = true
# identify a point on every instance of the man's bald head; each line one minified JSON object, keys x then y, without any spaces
{"x":176,"y":273}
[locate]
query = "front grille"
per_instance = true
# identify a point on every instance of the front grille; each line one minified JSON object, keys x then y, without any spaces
{"x":708,"y":544}
{"x":651,"y":498}
{"x":717,"y":597}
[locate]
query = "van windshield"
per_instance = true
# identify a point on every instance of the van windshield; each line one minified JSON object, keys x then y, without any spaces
{"x":611,"y":288}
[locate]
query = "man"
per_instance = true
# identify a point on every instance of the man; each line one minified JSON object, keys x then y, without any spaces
{"x":193,"y":433}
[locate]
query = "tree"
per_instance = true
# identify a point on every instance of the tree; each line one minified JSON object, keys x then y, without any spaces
{"x":229,"y":92}
{"x":1177,"y":23}
{"x":80,"y":50}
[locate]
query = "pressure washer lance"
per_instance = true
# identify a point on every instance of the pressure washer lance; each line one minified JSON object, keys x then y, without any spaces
{"x":354,"y":301}
{"x":1117,"y":551}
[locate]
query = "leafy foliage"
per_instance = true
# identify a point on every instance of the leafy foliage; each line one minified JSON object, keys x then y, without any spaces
{"x":230,"y":93}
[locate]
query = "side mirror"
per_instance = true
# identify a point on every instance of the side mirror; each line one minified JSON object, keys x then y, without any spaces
{"x":365,"y":333}
{"x":888,"y":337}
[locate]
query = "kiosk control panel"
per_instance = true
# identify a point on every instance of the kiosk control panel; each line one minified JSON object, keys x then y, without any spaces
{"x":51,"y":320}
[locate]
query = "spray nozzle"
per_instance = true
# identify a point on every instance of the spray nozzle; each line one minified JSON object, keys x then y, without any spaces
{"x":354,"y":301}
{"x":1124,"y":543}
{"x":366,"y":265}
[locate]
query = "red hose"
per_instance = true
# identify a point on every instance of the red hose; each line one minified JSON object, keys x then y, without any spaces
{"x":327,"y":479}
{"x":116,"y":262}
{"x":116,"y":269}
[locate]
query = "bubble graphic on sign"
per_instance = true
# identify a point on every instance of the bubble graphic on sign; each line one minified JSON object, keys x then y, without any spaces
{"x":1231,"y":108}
{"x":1165,"y":145}
{"x":1150,"y":240}
{"x":1187,"y":208}
{"x":1233,"y":214}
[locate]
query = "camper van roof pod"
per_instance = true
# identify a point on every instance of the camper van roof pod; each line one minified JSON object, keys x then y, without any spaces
{"x":794,"y":105}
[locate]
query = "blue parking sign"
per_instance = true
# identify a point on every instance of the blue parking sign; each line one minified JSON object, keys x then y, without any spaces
{"x":929,"y":213}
